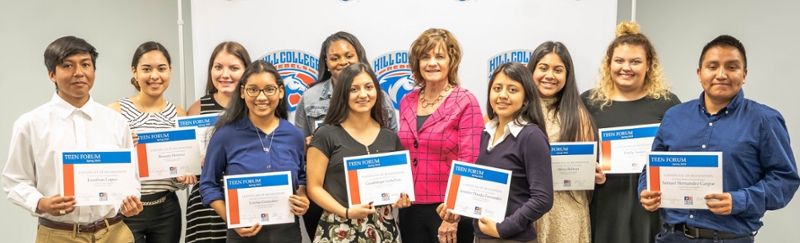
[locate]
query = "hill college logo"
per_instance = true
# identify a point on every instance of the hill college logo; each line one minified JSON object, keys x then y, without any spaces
{"x":394,"y":75}
{"x":519,"y":55}
{"x":298,"y":69}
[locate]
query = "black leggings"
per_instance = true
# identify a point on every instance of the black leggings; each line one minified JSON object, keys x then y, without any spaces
{"x":160,"y":223}
{"x":311,"y":219}
{"x":420,"y":224}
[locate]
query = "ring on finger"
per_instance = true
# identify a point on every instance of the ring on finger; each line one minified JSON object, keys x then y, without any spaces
{"x":62,"y":212}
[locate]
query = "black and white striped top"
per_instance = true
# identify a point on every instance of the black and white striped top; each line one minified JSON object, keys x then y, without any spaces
{"x":139,"y":121}
{"x":208,"y":105}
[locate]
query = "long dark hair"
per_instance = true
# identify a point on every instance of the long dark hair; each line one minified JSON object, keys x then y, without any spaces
{"x":235,"y":49}
{"x":143,"y":49}
{"x":568,"y":105}
{"x":531,"y":110}
{"x":339,"y":107}
{"x":322,"y":68}
{"x":237,"y":109}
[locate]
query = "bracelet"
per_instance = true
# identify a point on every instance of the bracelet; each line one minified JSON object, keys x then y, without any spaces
{"x":347,"y":213}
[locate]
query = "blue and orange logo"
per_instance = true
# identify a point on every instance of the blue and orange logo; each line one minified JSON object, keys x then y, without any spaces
{"x":298,"y":69}
{"x":394,"y":75}
{"x":519,"y":55}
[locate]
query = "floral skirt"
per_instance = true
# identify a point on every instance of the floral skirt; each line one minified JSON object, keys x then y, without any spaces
{"x":380,"y":227}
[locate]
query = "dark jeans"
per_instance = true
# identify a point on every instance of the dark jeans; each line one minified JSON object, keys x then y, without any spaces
{"x":420,"y":224}
{"x":160,"y":223}
{"x":311,"y":219}
{"x":668,"y":235}
{"x":278,"y":233}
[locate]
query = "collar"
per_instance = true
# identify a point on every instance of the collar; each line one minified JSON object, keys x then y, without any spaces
{"x":511,"y":127}
{"x":244,"y":123}
{"x":65,"y":109}
{"x":327,"y":89}
{"x":731,"y":107}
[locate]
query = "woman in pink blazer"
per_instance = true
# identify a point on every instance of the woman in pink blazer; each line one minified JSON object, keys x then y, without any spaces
{"x":439,"y":122}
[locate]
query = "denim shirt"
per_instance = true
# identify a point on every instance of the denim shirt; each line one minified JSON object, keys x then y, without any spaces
{"x":758,"y":166}
{"x":314,"y":104}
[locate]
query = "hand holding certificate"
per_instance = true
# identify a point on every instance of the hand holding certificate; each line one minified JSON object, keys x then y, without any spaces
{"x":684,"y":178}
{"x":102,"y":177}
{"x":379,"y":178}
{"x":625,"y":149}
{"x":168,"y":153}
{"x":477,"y":191}
{"x":573,"y":165}
{"x":258,"y":199}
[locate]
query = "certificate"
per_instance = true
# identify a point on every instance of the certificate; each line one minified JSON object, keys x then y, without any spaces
{"x":168,"y":153}
{"x":378,"y":178}
{"x":261,"y":198}
{"x":478,"y":191}
{"x":203,"y":125}
{"x":573,"y":165}
{"x":624,"y":149}
{"x":684,"y":178}
{"x":103,"y":177}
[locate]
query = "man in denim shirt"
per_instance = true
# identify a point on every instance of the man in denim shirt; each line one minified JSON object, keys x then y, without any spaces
{"x":759,"y":169}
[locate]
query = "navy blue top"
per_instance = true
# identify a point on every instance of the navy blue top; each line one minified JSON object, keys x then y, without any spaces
{"x":235,"y":149}
{"x":530,"y":195}
{"x":759,"y":169}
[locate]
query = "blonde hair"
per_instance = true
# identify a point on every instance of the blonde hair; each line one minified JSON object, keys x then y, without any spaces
{"x":655,"y":84}
{"x":427,"y":41}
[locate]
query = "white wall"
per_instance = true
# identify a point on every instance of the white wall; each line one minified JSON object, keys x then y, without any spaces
{"x":115,"y":28}
{"x":769,"y":31}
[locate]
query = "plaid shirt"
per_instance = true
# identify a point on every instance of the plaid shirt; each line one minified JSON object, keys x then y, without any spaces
{"x":452,"y":132}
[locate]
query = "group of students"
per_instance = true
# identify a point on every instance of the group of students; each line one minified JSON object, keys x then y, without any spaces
{"x":527,"y":108}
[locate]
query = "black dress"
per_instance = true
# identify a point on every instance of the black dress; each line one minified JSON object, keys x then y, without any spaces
{"x":615,"y":212}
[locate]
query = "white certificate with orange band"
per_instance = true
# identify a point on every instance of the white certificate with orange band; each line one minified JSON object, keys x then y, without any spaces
{"x":378,"y":178}
{"x":168,"y":153}
{"x":97,"y":177}
{"x":477,"y":191}
{"x":261,"y":198}
{"x":684,"y":178}
{"x":624,"y":149}
{"x":202,"y":125}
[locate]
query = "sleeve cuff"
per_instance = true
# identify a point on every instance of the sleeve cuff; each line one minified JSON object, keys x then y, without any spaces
{"x":504,"y":229}
{"x":738,"y":202}
{"x":33,"y":202}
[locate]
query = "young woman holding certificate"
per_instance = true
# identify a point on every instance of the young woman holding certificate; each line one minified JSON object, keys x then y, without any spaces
{"x":258,"y":108}
{"x":228,"y":62}
{"x":160,"y":221}
{"x":354,"y":126}
{"x":632,"y":91}
{"x":567,"y":120}
{"x":514,"y":139}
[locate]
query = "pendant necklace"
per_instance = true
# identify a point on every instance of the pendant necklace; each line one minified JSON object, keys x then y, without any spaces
{"x":266,"y":149}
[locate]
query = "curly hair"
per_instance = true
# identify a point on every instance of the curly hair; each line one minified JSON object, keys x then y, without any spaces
{"x":655,"y":84}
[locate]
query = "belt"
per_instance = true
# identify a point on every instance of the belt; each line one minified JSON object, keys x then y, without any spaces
{"x":700,"y":233}
{"x":155,"y":199}
{"x":88,"y":228}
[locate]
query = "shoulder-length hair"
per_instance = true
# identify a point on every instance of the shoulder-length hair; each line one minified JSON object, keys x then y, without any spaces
{"x":427,"y":41}
{"x":339,"y":107}
{"x":322,"y":69}
{"x":531,"y":110}
{"x":575,"y":122}
{"x":237,"y":109}
{"x":235,"y":49}
{"x":654,"y":81}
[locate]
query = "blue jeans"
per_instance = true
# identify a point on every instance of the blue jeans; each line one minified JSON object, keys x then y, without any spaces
{"x":668,"y":235}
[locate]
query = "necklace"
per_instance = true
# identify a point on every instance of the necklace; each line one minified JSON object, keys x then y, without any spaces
{"x":426,"y":104}
{"x":266,"y":149}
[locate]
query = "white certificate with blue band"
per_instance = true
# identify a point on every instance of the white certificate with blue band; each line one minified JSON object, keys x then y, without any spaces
{"x":477,"y":191}
{"x":168,"y":153}
{"x":378,"y":178}
{"x":624,"y":149}
{"x":261,"y":198}
{"x":573,"y":165}
{"x":202,"y":125}
{"x":684,"y":178}
{"x":101,"y":177}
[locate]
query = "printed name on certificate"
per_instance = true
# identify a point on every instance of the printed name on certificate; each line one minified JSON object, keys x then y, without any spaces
{"x":261,"y":198}
{"x":623,"y":150}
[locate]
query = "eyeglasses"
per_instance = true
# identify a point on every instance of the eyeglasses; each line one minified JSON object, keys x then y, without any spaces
{"x":268,"y":91}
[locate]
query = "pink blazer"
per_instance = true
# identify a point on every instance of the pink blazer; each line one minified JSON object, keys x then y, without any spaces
{"x":452,"y":132}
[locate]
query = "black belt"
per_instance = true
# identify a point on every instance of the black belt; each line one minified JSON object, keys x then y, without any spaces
{"x":700,"y":233}
{"x":87,"y":228}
